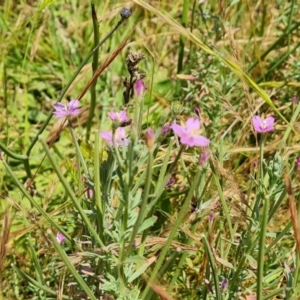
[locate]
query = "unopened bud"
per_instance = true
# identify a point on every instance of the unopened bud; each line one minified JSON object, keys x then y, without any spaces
{"x":125,"y":13}
{"x":150,"y":138}
{"x":139,"y":87}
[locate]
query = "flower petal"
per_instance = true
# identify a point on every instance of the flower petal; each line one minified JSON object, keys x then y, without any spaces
{"x":107,"y":135}
{"x":74,"y":112}
{"x":257,"y":122}
{"x":60,"y":114}
{"x":178,"y":129}
{"x":113,"y":115}
{"x":59,"y":106}
{"x":201,"y":141}
{"x":192,"y":124}
{"x":73,"y":104}
{"x":123,"y":116}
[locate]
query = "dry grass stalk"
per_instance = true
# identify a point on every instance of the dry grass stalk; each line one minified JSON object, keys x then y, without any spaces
{"x":4,"y":240}
{"x":159,"y":290}
{"x":293,"y":210}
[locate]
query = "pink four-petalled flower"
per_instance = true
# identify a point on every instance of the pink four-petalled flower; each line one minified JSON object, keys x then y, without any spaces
{"x":263,"y":125}
{"x":119,"y":136}
{"x":120,"y":117}
{"x":189,"y":133}
{"x":64,"y":110}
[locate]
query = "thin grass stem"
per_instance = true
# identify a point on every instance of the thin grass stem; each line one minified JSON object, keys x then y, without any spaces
{"x":94,"y":67}
{"x":71,"y":194}
{"x":146,"y":293}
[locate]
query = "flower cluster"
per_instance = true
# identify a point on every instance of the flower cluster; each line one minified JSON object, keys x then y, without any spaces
{"x":119,"y":134}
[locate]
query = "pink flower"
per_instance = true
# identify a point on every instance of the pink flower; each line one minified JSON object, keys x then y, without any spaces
{"x":298,"y":165}
{"x":90,"y":194}
{"x":298,"y":162}
{"x":139,"y":87}
{"x":189,"y":133}
{"x":120,"y":117}
{"x":295,"y":100}
{"x":204,"y":157}
{"x":64,"y":110}
{"x":263,"y":125}
{"x":60,"y":238}
{"x":224,"y":285}
{"x":119,"y":135}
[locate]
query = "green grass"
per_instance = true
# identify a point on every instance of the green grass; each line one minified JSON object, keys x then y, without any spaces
{"x":226,"y":228}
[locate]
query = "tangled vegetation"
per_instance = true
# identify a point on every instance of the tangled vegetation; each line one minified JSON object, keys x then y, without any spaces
{"x":149,"y":150}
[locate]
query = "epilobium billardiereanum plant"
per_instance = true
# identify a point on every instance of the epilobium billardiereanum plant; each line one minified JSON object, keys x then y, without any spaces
{"x":164,"y":211}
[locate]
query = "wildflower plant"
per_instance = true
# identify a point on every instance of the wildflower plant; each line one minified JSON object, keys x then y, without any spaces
{"x":142,"y":208}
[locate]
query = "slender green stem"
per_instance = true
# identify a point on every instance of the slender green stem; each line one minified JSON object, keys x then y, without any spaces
{"x":125,"y":216}
{"x":5,"y":98}
{"x":275,"y":293}
{"x":289,"y":128}
{"x":223,"y":201}
{"x":12,"y":154}
{"x":94,"y":67}
{"x":263,"y":229}
{"x":213,"y":267}
{"x":184,"y":19}
{"x":78,"y":151}
{"x":147,"y":293}
{"x":161,"y":184}
{"x":296,"y":272}
{"x":37,"y":266}
{"x":143,"y":210}
{"x":274,"y":45}
{"x":99,"y":202}
{"x":23,"y":158}
{"x":278,"y":62}
{"x":138,"y":114}
{"x":38,"y":284}
{"x":71,"y":267}
{"x":33,"y":202}
{"x":71,"y":194}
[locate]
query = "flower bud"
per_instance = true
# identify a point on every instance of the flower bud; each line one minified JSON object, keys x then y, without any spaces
{"x":150,"y":138}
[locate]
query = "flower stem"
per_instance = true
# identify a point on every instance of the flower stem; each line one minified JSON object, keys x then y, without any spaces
{"x":147,"y":294}
{"x":72,"y":196}
{"x":263,"y":228}
{"x":95,"y":67}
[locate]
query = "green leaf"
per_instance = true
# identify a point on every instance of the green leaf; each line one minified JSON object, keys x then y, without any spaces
{"x":141,"y":269}
{"x":147,"y":223}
